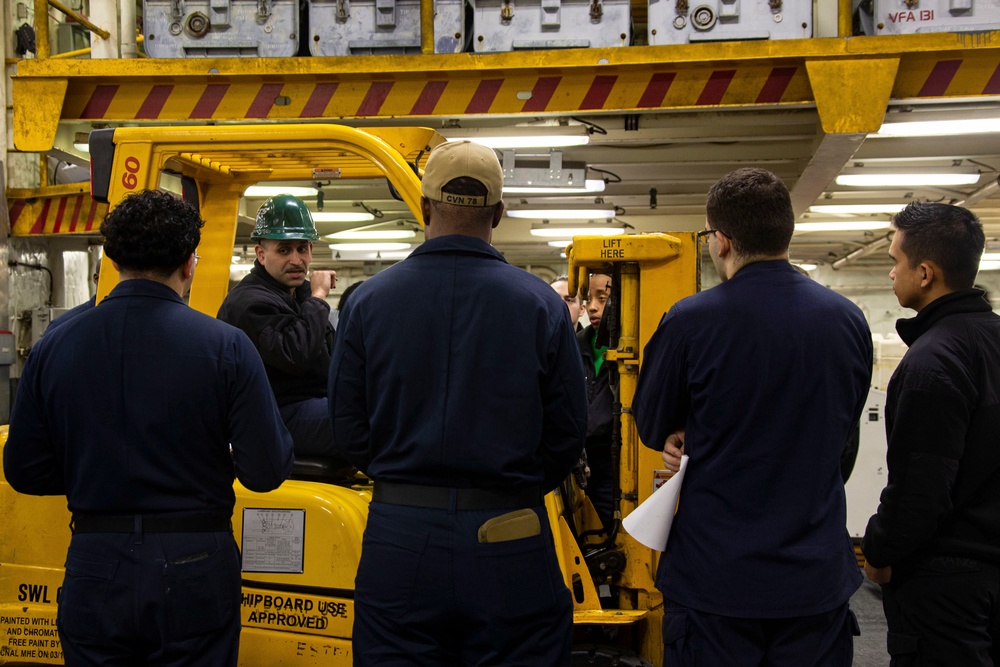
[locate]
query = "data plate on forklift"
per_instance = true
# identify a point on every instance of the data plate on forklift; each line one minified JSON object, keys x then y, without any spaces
{"x":689,"y":21}
{"x":514,"y":25}
{"x":373,"y":27}
{"x":220,"y":28}
{"x":899,"y":17}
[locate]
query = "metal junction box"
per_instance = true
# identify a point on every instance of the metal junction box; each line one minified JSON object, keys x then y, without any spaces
{"x":514,"y":25}
{"x":220,"y":28}
{"x":897,"y":17}
{"x":363,"y":27}
{"x":687,"y":21}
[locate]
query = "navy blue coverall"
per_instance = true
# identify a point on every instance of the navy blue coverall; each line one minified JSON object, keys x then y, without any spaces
{"x":144,"y":409}
{"x":768,"y":373}
{"x":457,"y":372}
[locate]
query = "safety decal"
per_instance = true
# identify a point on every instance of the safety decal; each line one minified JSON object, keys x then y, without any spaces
{"x":273,"y":540}
{"x":29,"y":637}
{"x":296,"y":612}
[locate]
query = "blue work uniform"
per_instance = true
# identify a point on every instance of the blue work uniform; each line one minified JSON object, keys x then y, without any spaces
{"x":767,"y":373}
{"x":141,"y":411}
{"x":456,"y":384}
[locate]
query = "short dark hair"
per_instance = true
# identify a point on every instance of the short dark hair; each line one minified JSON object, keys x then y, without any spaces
{"x":950,"y":236}
{"x":561,"y":277}
{"x":753,"y":207}
{"x":151,"y":231}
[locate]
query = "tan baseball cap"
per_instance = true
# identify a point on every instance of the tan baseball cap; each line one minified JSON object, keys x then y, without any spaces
{"x":457,"y":159}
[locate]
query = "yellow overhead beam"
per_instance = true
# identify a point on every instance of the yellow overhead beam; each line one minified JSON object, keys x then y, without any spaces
{"x":719,"y":74}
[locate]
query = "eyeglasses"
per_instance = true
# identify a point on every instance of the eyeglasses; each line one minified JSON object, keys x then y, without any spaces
{"x":196,"y":258}
{"x":705,"y":232}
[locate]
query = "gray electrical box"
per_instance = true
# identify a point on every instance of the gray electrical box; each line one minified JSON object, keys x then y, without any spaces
{"x":688,"y":21}
{"x":513,"y":25}
{"x":899,"y":17}
{"x":6,"y":348}
{"x":372,"y":27}
{"x":220,"y":28}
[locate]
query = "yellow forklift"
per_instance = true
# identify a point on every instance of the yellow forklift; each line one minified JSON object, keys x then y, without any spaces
{"x":302,"y":542}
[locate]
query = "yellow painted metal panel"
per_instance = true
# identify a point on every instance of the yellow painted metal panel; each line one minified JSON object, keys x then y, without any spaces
{"x":553,"y":82}
{"x":851,"y":95}
{"x":54,"y":210}
{"x":267,"y":648}
{"x":37,"y":110}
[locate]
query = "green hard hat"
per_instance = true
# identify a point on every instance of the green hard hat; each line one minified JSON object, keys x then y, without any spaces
{"x":284,"y":218}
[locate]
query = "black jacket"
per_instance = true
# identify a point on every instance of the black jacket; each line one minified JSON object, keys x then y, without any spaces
{"x":599,"y":396}
{"x":943,"y":429}
{"x":294,"y":336}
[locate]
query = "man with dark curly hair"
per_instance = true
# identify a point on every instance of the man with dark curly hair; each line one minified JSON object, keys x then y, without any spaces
{"x":153,"y":571}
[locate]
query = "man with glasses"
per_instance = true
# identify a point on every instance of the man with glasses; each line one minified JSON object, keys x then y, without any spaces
{"x":761,"y":382}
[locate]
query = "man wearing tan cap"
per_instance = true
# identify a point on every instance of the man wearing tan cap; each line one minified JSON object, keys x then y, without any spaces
{"x":457,"y":386}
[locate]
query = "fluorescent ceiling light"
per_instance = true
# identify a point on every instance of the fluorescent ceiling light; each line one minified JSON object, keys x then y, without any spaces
{"x":275,"y":190}
{"x":237,"y":268}
{"x":82,"y":147}
{"x":806,"y":266}
{"x":342,"y":216}
{"x":562,"y":213}
{"x":991,"y":256}
{"x":559,"y":244}
{"x":368,"y":247}
{"x":857,"y":208}
{"x":590,"y":185}
{"x":568,"y":232}
{"x":371,"y":235}
{"x":540,"y":136}
{"x":842,"y":226}
{"x":940,"y":128}
{"x":989,"y":265}
{"x":907,"y":179}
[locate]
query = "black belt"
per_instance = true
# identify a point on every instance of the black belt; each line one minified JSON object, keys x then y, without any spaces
{"x":443,"y":497}
{"x":150,"y":523}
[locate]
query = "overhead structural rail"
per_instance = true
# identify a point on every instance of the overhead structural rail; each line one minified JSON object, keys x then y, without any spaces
{"x":848,"y":79}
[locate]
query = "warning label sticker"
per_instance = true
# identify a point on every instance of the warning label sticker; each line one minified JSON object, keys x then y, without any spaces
{"x":273,"y":540}
{"x":25,"y":636}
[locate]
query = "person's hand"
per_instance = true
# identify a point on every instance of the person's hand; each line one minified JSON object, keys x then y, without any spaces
{"x":880,"y":575}
{"x":322,"y":282}
{"x":673,"y":449}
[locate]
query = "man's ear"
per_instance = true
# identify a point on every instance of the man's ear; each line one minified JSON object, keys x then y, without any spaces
{"x":498,"y":214}
{"x":258,"y":251}
{"x":723,"y":245}
{"x":187,"y":268}
{"x":425,"y":209}
{"x":929,"y":273}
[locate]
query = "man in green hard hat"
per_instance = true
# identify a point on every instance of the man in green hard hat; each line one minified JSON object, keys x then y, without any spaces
{"x":287,"y":318}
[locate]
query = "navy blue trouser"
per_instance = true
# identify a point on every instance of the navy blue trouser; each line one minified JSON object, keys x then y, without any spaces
{"x":945,"y":612}
{"x":695,"y":639}
{"x":428,"y":593}
{"x":154,"y":599}
{"x":309,"y":424}
{"x":600,"y":486}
